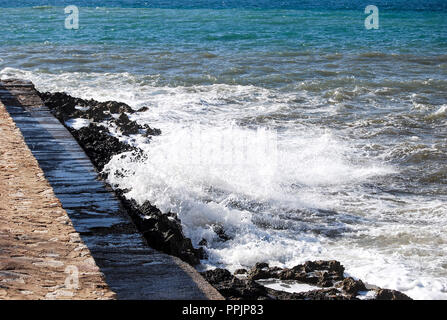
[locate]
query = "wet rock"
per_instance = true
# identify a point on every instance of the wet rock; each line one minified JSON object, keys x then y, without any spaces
{"x":66,"y":107}
{"x":217,"y":275}
{"x":247,"y":289}
{"x":328,"y":275}
{"x":162,"y":231}
{"x":233,"y":288}
{"x":324,"y":279}
{"x":126,"y":126}
{"x":143,"y":109}
{"x":333,"y":267}
{"x":203,"y":242}
{"x":240,"y":271}
{"x":321,"y":294}
{"x":261,"y":265}
{"x":322,"y":273}
{"x":352,"y":286}
{"x":263,"y":271}
{"x":151,"y":131}
{"x":387,"y":294}
{"x":220,"y":231}
{"x":114,"y":107}
{"x":99,"y":145}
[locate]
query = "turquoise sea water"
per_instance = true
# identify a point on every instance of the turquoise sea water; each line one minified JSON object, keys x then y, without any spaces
{"x":360,"y":118}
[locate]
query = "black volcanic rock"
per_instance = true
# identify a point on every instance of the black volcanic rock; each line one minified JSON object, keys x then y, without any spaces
{"x":65,"y":107}
{"x":352,"y":286}
{"x":234,"y":288}
{"x":320,"y":294}
{"x":322,"y":273}
{"x":99,"y":145}
{"x":151,"y":131}
{"x":263,"y":271}
{"x":126,"y":126}
{"x":220,"y":231}
{"x":217,"y":276}
{"x":387,"y":294}
{"x":328,"y":275}
{"x":240,"y":271}
{"x":163,"y":231}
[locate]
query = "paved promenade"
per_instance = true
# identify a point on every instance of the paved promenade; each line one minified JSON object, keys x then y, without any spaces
{"x":40,"y":251}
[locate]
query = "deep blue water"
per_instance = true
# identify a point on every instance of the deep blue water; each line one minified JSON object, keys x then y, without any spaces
{"x":247,"y":4}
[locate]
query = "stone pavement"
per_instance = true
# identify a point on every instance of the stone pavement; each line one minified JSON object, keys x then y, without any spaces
{"x":40,"y":251}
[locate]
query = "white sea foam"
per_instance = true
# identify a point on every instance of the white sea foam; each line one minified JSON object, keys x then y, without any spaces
{"x":440,"y":113}
{"x":287,"y":286}
{"x":77,"y":123}
{"x":306,"y":197}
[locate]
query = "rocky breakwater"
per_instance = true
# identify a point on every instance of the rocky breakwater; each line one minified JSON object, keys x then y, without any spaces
{"x":327,"y":278}
{"x":89,"y":120}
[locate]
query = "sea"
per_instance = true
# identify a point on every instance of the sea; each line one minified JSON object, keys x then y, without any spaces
{"x":299,"y":130}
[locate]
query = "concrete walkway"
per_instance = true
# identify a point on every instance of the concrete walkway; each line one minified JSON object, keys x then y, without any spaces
{"x":132,"y":270}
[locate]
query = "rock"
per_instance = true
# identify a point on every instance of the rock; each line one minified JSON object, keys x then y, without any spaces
{"x":219,"y":230}
{"x":387,"y":294}
{"x":240,"y":271}
{"x":203,"y":242}
{"x":263,"y":271}
{"x":99,"y":145}
{"x":162,"y":231}
{"x":126,"y":126}
{"x":10,"y":264}
{"x":351,"y":286}
{"x":233,"y":288}
{"x":151,"y":131}
{"x":247,"y":289}
{"x":324,"y":279}
{"x":66,"y":107}
{"x":324,"y":274}
{"x":217,"y":275}
{"x":143,"y":109}
{"x":261,"y":265}
{"x":321,"y":294}
{"x":335,"y":269}
{"x":113,"y":106}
